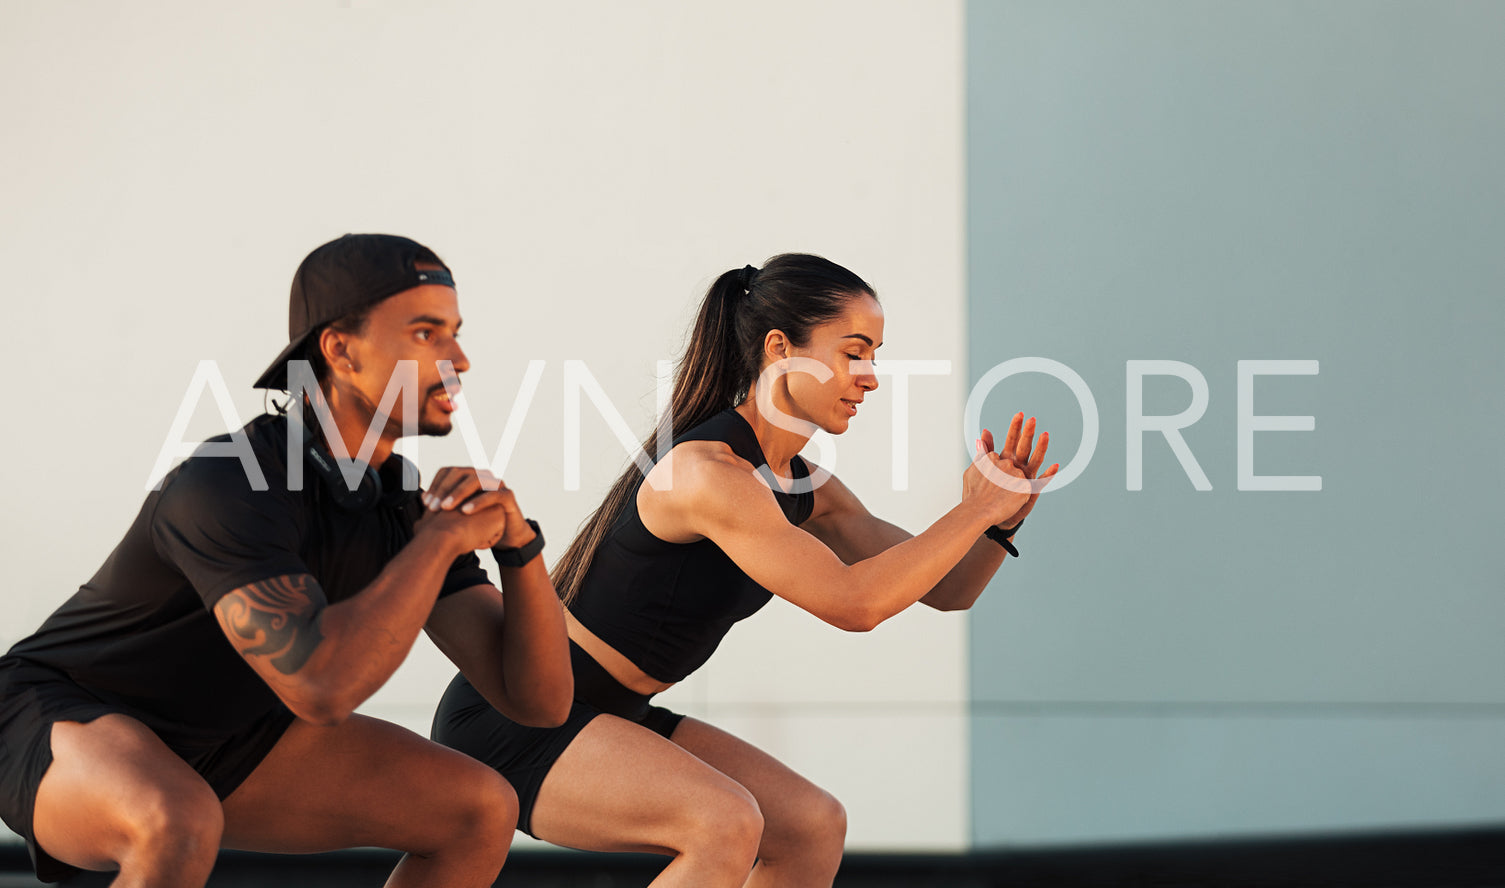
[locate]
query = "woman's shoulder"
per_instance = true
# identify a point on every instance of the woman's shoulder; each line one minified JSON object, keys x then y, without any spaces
{"x":727,"y":426}
{"x":691,"y":466}
{"x":698,"y":486}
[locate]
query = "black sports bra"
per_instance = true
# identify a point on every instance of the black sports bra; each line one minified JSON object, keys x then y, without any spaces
{"x":666,"y":606}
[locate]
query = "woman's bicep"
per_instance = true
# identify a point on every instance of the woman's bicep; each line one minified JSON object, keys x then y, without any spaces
{"x":843,"y":523}
{"x":794,"y":565}
{"x":743,"y":519}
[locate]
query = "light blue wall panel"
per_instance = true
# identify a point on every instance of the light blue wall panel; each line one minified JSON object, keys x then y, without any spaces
{"x":1059,"y":778}
{"x":1210,"y":183}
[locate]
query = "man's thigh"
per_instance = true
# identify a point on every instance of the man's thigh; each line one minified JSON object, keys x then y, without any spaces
{"x":111,"y":782}
{"x":363,"y":783}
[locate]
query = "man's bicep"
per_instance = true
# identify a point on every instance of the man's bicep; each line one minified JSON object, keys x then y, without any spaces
{"x":468,"y":624}
{"x":274,"y":623}
{"x":468,"y":627}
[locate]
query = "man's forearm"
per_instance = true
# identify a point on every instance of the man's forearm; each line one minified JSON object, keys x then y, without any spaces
{"x":367,"y":636}
{"x":535,"y":647}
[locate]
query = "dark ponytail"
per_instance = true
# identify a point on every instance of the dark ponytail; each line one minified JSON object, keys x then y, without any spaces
{"x":792,"y":292}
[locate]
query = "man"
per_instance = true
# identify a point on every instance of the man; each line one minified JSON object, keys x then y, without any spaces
{"x":198,"y":692}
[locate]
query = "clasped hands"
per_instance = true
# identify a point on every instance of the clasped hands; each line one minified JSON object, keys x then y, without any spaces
{"x":1010,"y":478}
{"x":477,"y":506}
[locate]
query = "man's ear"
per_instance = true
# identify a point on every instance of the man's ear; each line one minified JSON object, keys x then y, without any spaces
{"x":335,"y":346}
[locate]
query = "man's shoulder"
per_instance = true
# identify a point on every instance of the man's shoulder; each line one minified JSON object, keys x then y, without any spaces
{"x":252,"y":459}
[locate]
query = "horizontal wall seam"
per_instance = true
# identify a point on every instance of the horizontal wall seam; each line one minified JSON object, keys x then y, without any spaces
{"x":1240,"y":709}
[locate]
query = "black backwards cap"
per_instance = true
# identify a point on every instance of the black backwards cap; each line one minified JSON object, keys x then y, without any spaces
{"x":346,"y":275}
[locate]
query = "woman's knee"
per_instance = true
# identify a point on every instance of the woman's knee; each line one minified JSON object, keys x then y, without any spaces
{"x":743,"y":827}
{"x":813,"y":828}
{"x":827,"y":818}
{"x":727,"y":827}
{"x":829,"y":824}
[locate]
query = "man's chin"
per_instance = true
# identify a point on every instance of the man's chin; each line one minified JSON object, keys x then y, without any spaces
{"x":435,"y":428}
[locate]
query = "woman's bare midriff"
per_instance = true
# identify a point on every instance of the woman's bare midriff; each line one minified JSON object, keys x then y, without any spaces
{"x":621,"y":668}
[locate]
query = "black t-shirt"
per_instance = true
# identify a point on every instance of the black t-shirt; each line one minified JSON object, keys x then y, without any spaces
{"x":142,"y":632}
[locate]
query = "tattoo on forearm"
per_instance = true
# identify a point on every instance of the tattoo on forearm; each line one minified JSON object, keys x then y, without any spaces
{"x":276,"y":618}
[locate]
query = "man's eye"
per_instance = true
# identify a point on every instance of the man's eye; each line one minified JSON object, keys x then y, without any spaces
{"x":425,"y":335}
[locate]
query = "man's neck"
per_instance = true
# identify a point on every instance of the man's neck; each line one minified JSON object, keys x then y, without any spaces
{"x":353,"y":421}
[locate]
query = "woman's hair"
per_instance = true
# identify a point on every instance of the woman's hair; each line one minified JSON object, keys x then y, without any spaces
{"x":793,"y":293}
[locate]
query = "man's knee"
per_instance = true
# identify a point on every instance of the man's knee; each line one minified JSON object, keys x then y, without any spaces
{"x":115,"y":796}
{"x":174,"y":823}
{"x":486,"y":809}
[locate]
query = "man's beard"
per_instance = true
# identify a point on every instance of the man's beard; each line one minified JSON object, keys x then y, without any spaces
{"x":435,"y":429}
{"x":432,"y":428}
{"x":427,"y":427}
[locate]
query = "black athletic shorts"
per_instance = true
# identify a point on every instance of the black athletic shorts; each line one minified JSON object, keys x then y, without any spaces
{"x":33,"y":697}
{"x":524,"y":755}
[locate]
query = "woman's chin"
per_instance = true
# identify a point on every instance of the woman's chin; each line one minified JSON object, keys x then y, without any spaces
{"x":837,"y":425}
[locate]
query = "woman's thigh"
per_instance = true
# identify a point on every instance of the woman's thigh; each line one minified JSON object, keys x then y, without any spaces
{"x":621,"y":787}
{"x":797,"y":814}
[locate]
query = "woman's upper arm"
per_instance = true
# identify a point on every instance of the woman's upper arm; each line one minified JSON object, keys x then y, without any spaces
{"x":844,"y":524}
{"x":722,"y":499}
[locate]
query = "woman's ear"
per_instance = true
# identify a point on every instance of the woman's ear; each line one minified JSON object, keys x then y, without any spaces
{"x":775,"y":346}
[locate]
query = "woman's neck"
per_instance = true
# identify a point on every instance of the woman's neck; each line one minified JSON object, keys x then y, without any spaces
{"x":779,"y":445}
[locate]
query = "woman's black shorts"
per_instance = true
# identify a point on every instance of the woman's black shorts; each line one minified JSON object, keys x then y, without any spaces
{"x":524,"y":755}
{"x":34,"y":697}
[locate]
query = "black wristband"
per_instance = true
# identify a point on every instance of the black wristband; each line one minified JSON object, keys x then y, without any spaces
{"x":521,"y":555}
{"x":1004,"y":538}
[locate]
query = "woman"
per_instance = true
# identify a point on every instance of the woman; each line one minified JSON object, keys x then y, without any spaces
{"x":729,"y":517}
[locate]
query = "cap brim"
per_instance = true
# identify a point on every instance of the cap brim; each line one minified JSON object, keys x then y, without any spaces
{"x":275,"y":376}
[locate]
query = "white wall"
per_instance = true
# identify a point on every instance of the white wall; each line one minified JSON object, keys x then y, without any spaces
{"x":587,"y":169}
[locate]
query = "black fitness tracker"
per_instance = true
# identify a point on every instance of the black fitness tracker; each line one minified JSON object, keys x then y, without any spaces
{"x":1004,"y":538}
{"x":517,"y":557}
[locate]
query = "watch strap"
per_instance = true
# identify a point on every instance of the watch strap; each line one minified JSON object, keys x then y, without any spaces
{"x":1004,"y":538}
{"x":517,"y":556}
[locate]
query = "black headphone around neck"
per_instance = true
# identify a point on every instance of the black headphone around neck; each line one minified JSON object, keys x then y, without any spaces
{"x":370,"y":491}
